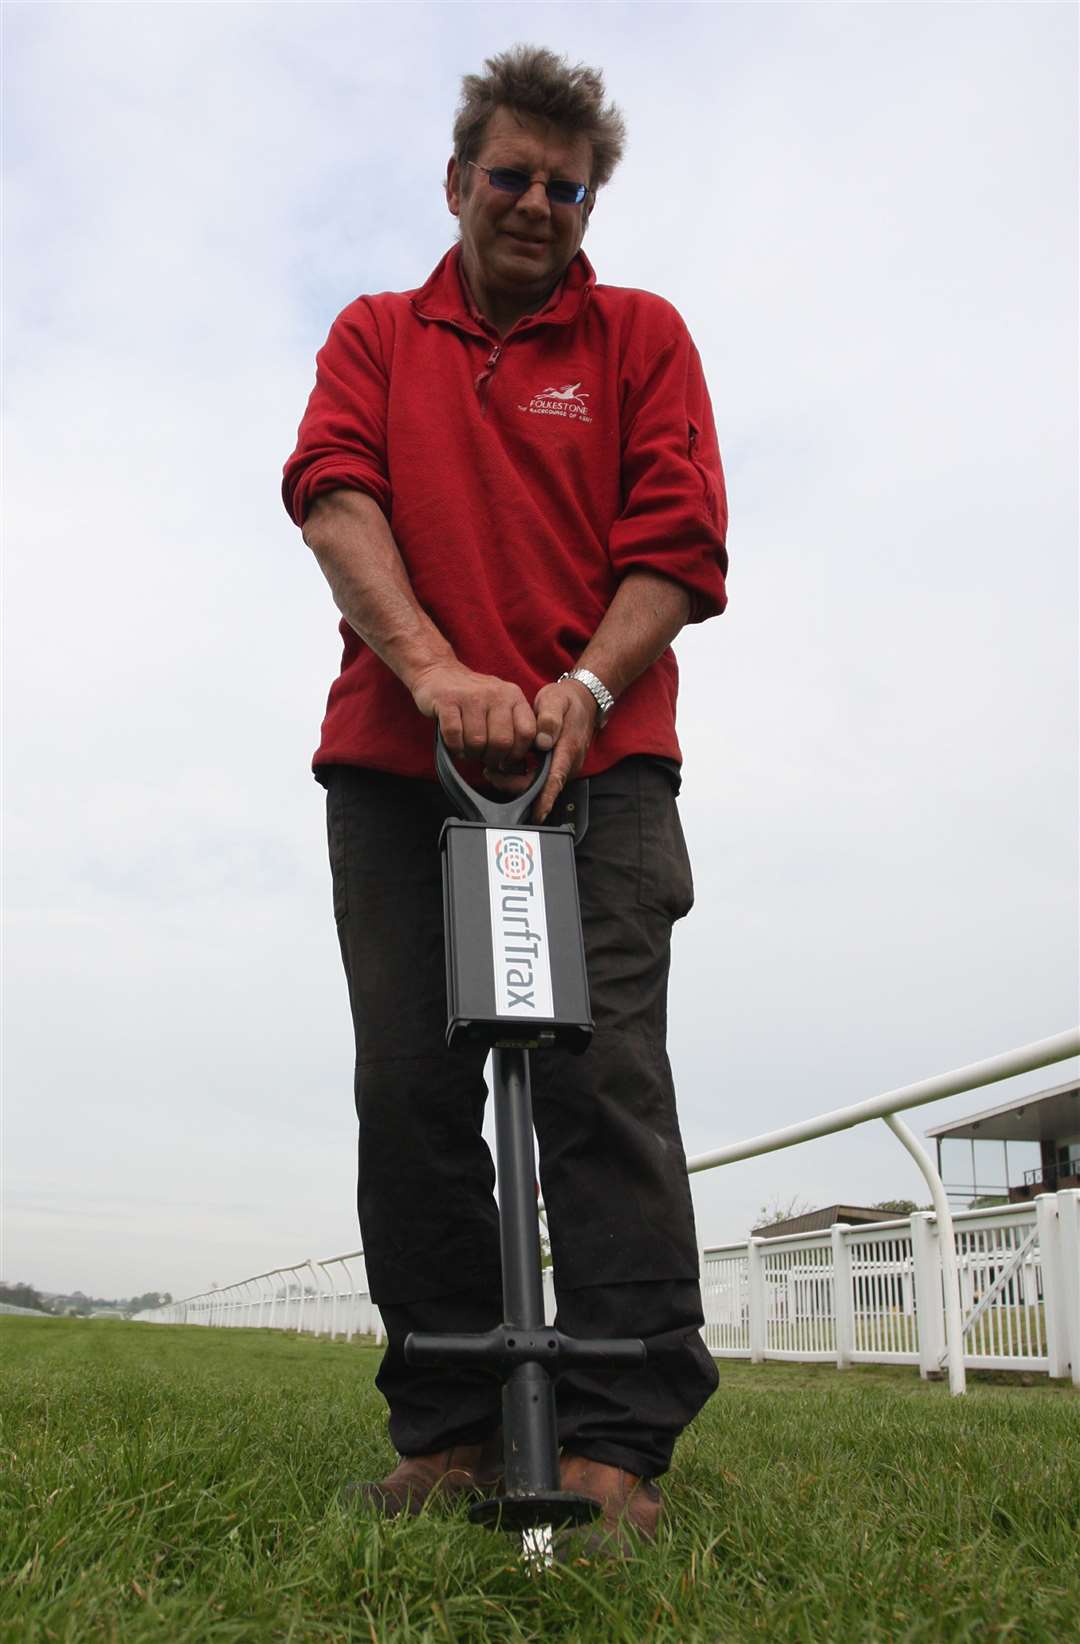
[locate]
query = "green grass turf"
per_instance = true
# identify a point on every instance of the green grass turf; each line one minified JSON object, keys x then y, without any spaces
{"x":180,"y":1484}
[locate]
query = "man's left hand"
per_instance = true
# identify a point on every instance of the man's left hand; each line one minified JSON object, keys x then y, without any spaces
{"x":566,"y":716}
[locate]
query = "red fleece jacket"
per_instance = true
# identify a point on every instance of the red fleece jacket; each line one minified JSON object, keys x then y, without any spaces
{"x":522,"y":477}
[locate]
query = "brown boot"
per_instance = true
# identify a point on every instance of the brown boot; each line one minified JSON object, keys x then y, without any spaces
{"x":465,"y":1471}
{"x":630,"y":1509}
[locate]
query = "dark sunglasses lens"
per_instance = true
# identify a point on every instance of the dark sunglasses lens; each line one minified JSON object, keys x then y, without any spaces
{"x":566,"y":193}
{"x":511,"y":182}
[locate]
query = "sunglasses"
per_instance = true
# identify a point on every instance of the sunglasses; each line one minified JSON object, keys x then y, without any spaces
{"x":509,"y":181}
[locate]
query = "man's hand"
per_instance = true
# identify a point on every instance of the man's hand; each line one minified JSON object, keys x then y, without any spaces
{"x":567,"y":713}
{"x":566,"y":716}
{"x":480,"y":716}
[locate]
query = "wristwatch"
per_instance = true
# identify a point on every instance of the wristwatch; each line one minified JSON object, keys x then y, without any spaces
{"x":596,"y":689}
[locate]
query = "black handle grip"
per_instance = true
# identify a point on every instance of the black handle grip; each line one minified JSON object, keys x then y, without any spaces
{"x":473,"y":806}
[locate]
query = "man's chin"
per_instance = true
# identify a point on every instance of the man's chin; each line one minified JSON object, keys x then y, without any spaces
{"x":526,"y":271}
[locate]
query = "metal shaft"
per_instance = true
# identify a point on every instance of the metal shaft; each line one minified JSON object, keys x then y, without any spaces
{"x":519,"y":1225}
{"x":532,"y":1460}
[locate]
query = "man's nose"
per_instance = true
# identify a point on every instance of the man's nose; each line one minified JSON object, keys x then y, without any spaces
{"x":535,"y":200}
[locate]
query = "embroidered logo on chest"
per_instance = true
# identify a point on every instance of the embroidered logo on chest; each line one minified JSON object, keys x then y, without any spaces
{"x":566,"y":400}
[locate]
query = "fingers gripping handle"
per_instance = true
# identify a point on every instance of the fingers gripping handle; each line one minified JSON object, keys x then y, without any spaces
{"x":473,"y":806}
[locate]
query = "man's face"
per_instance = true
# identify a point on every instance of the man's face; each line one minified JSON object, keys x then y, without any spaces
{"x":518,"y":248}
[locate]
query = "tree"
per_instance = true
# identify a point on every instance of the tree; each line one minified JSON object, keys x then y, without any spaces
{"x":900,"y":1207}
{"x":770,"y":1214}
{"x":22,"y":1295}
{"x":143,"y":1304}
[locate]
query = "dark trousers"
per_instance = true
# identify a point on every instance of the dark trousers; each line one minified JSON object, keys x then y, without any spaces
{"x":612,"y":1166}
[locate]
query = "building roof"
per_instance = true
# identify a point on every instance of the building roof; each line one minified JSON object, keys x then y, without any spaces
{"x":1045,"y":1116}
{"x":813,"y":1221}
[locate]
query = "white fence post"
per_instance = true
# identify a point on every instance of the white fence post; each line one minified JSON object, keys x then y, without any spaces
{"x":946,"y":1241}
{"x":755,"y":1295}
{"x":929,"y":1313}
{"x":843,"y":1300}
{"x":1068,"y":1203}
{"x":316,"y":1293}
{"x":332,"y":1277}
{"x":1055,"y":1311}
{"x":354,"y":1301}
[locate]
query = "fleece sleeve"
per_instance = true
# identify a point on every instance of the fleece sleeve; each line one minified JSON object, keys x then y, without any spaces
{"x":674,"y":515}
{"x":341,"y":443}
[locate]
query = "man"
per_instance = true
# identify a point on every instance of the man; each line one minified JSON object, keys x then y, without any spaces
{"x":511,"y":480}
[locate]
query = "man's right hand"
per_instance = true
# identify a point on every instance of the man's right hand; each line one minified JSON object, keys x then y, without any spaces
{"x":480,"y":716}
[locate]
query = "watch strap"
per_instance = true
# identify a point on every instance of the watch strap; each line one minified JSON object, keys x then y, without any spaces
{"x":596,"y":689}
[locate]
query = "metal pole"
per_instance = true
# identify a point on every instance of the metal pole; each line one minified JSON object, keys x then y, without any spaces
{"x":528,"y":1393}
{"x":950,"y":1277}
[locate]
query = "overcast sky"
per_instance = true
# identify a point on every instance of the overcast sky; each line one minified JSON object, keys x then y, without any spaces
{"x":867,"y":216}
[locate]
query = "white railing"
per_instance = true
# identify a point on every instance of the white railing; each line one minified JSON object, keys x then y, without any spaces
{"x":875,"y":1294}
{"x":320,"y":1298}
{"x":897,"y":1273}
{"x":888,"y":1107}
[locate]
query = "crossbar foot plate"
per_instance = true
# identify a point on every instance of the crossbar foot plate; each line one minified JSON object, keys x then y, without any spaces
{"x":554,"y":1507}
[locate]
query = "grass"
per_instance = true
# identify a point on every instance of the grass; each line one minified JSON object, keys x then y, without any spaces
{"x":179,"y":1485}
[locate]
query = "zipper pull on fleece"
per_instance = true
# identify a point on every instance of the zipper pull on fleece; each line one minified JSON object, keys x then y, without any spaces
{"x":484,"y":377}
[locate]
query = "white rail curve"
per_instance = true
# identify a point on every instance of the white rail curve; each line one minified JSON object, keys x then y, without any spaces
{"x":326,"y":1306}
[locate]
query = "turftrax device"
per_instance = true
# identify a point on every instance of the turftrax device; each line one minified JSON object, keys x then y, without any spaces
{"x":516,"y":980}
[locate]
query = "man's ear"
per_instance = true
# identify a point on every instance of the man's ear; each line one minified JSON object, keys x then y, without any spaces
{"x":453,"y":186}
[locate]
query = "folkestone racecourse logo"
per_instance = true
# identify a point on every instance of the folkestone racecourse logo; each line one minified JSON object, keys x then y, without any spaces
{"x":566,"y":400}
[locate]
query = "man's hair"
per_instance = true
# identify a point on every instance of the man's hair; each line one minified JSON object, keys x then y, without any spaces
{"x":533,"y":80}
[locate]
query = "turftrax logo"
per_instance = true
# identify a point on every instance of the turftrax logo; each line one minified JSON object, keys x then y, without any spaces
{"x":514,"y":858}
{"x":567,"y":401}
{"x":519,"y":939}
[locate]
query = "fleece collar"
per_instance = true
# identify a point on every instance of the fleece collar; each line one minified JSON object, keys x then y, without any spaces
{"x":445,"y":295}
